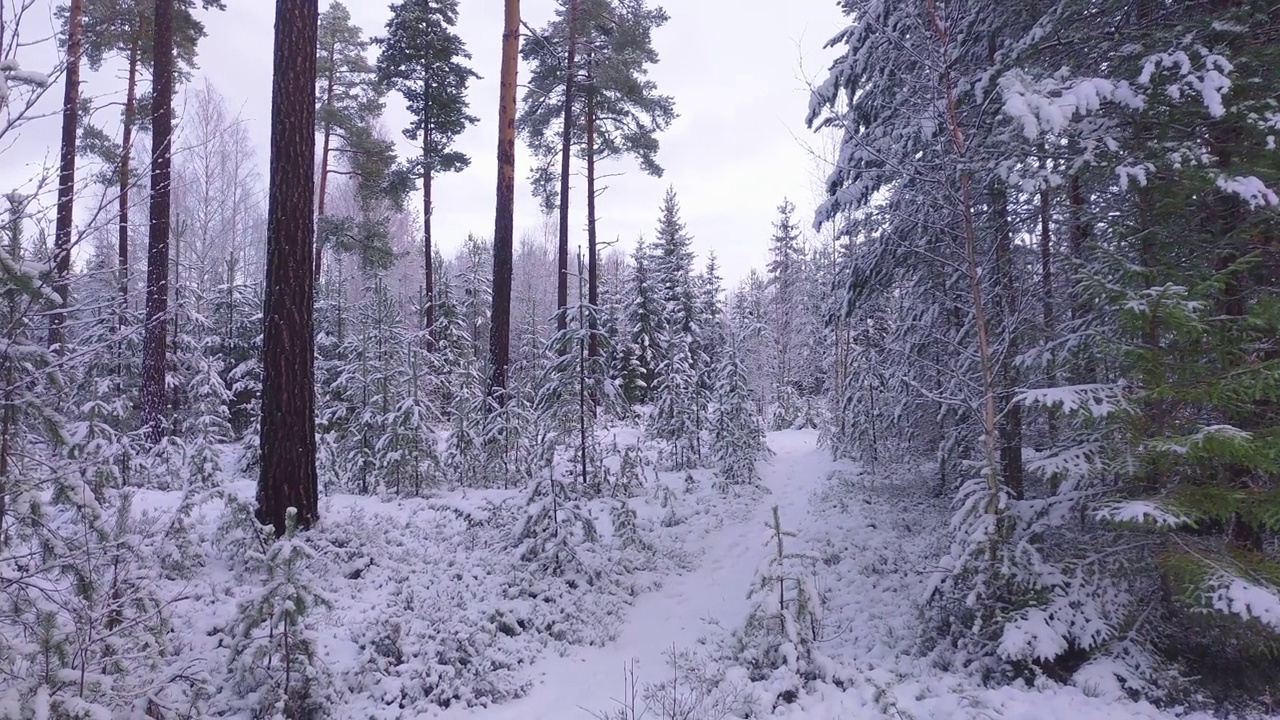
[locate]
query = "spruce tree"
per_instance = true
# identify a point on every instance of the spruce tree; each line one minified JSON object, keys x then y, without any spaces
{"x":786,"y":322}
{"x":1126,"y":350}
{"x":737,"y":435}
{"x":636,"y":362}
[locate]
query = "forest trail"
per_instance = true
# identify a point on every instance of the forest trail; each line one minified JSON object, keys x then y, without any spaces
{"x":590,"y":680}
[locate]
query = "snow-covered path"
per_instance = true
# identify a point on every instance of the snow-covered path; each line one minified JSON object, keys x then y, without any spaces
{"x":589,"y":679}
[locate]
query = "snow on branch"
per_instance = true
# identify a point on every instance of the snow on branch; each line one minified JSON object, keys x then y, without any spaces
{"x":1250,"y":189}
{"x":1143,"y":512}
{"x":1096,"y":399}
{"x":1234,"y":595}
{"x":1211,"y":82}
{"x":1050,"y":105}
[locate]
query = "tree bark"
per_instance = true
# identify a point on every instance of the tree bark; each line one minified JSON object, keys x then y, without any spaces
{"x":130,"y":110}
{"x":428,"y":275}
{"x":326,"y":146}
{"x":504,"y":214}
{"x":67,"y":176}
{"x":1011,"y":460}
{"x":593,"y":267}
{"x":972,"y":271}
{"x":153,"y":344}
{"x":566,"y":142}
{"x":1046,"y":292}
{"x":287,"y":476}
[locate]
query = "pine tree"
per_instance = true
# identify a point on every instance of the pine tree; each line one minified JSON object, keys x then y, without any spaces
{"x":504,"y":206}
{"x":67,"y":172}
{"x":157,"y":300}
{"x":784,"y":625}
{"x":278,"y":673}
{"x":623,"y":113}
{"x":349,"y":101}
{"x":124,"y":29}
{"x":288,"y":447}
{"x":421,"y":58}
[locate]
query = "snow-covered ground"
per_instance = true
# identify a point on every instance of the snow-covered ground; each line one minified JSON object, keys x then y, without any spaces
{"x":875,"y":534}
{"x":589,"y":680}
{"x":432,"y":613}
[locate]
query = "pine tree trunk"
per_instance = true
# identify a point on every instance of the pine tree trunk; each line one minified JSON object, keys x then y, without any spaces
{"x":1011,"y":411}
{"x":153,"y":344}
{"x":973,"y":275}
{"x":326,"y":147}
{"x":287,"y":440}
{"x":67,"y":175}
{"x":566,"y":142}
{"x":593,"y":261}
{"x":585,"y":404}
{"x":504,"y":214}
{"x":428,"y":276}
{"x":1046,"y":292}
{"x":130,"y":110}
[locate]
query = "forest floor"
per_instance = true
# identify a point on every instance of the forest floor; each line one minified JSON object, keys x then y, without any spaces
{"x":870,"y":535}
{"x":590,"y":681}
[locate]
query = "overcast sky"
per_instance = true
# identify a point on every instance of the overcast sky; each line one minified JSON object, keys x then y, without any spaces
{"x":738,"y":70}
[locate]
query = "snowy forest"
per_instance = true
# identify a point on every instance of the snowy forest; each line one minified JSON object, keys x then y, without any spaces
{"x":991,"y":431}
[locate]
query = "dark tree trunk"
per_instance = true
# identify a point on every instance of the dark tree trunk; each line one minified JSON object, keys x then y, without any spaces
{"x":130,"y":111}
{"x":1077,"y":236}
{"x":324,"y":164}
{"x":504,"y":215}
{"x":287,"y":476}
{"x":153,"y":344}
{"x":1046,"y":289}
{"x":1010,"y":428}
{"x":593,"y":268}
{"x":428,"y":274}
{"x":324,"y":191}
{"x":67,"y":176}
{"x":566,"y":142}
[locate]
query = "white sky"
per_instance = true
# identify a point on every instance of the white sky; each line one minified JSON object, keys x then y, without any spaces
{"x":737,"y":69}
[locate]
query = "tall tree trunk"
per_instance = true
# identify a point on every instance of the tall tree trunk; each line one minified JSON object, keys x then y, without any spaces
{"x":504,"y":214}
{"x":973,"y":274}
{"x":1077,"y":236}
{"x":287,"y":476}
{"x":566,"y":142}
{"x":153,"y":344}
{"x":176,"y":235}
{"x":1046,"y":295}
{"x":593,"y":260}
{"x":585,"y":404}
{"x":326,"y":147}
{"x":1010,"y":410}
{"x":130,"y":110}
{"x":8,"y":415}
{"x":67,"y":175}
{"x":428,"y":274}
